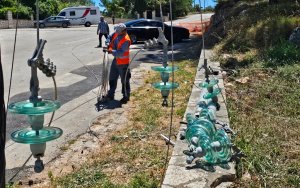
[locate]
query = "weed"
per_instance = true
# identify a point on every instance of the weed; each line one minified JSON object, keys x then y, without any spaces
{"x":265,"y":113}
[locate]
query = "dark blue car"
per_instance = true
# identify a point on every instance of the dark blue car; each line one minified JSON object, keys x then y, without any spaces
{"x":144,"y":29}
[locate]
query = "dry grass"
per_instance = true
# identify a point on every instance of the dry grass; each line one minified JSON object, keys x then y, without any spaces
{"x":135,"y":156}
{"x":266,"y":114}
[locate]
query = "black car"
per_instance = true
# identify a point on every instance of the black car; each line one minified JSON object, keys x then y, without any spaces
{"x":144,"y":29}
{"x":54,"y":21}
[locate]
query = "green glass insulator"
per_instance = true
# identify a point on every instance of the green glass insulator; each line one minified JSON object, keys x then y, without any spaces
{"x":36,"y":108}
{"x":211,"y":83}
{"x":213,"y":94}
{"x":208,"y":114}
{"x":203,"y":124}
{"x":165,"y":86}
{"x":29,"y":136}
{"x":224,"y":153}
{"x":167,"y":69}
{"x":210,"y":154}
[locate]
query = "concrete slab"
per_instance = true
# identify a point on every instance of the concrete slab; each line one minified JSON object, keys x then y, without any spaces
{"x":179,"y":174}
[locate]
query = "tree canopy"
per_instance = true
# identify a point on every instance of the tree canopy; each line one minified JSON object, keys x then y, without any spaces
{"x":25,"y":8}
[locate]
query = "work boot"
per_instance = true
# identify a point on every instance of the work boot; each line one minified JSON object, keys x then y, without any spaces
{"x":107,"y":98}
{"x":124,"y":100}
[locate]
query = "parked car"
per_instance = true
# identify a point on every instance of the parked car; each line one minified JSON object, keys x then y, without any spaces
{"x":54,"y":21}
{"x":144,"y":29}
{"x":82,"y":15}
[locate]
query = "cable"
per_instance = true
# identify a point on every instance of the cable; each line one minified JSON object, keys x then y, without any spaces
{"x":13,"y":59}
{"x":21,"y":168}
{"x":55,"y":98}
{"x":128,"y":68}
{"x":98,"y":81}
{"x":103,"y":88}
{"x":172,"y":95}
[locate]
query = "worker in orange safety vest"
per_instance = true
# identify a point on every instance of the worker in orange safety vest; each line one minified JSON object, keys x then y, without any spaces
{"x":119,"y":48}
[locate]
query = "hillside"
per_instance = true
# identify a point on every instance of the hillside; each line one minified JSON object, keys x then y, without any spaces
{"x":262,"y":72}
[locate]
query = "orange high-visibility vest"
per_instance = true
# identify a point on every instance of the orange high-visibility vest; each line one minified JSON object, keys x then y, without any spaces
{"x":124,"y":59}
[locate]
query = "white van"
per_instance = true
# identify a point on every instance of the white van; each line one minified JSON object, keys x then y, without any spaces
{"x":82,"y":15}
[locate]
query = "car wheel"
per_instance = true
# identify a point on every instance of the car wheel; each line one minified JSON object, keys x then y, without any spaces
{"x":87,"y":24}
{"x":42,"y":25}
{"x":64,"y":25}
{"x":133,"y":39}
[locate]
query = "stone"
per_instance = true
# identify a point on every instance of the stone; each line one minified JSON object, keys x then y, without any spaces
{"x":295,"y":37}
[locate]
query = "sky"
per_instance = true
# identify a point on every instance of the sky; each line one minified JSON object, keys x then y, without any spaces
{"x":207,"y":3}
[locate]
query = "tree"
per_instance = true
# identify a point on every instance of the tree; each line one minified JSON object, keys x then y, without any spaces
{"x":140,"y":6}
{"x":113,"y":7}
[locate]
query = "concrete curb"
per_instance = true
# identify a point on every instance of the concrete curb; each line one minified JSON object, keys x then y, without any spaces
{"x":178,"y":175}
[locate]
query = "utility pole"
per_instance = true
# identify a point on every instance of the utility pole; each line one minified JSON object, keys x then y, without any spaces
{"x":2,"y":128}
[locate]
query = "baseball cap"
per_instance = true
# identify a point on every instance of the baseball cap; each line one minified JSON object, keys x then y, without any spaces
{"x":121,"y":27}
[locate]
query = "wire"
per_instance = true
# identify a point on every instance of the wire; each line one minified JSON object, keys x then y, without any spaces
{"x":13,"y":59}
{"x":22,"y":167}
{"x":172,"y":93}
{"x":98,"y":81}
{"x":127,"y":70}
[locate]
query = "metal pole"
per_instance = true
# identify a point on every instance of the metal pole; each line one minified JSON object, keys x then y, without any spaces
{"x":162,"y":16}
{"x":37,"y":23}
{"x":34,"y":82}
{"x":202,"y":28}
{"x":2,"y":128}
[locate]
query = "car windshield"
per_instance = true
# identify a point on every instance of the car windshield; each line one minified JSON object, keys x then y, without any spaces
{"x":131,"y":22}
{"x":62,"y":14}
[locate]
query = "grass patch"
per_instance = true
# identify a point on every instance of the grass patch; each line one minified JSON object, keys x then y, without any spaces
{"x":134,"y":156}
{"x":266,"y":112}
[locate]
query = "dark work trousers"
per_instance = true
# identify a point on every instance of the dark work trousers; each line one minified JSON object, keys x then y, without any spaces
{"x":100,"y":38}
{"x":115,"y":72}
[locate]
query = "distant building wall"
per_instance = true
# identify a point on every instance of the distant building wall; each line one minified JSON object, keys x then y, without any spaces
{"x":10,"y":23}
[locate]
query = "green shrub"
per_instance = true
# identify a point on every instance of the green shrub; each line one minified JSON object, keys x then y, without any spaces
{"x":268,"y":32}
{"x":284,"y":53}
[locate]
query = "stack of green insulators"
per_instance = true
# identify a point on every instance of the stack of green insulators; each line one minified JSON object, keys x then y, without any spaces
{"x":206,"y":133}
{"x":165,"y":86}
{"x":35,"y":110}
{"x":211,"y":83}
{"x":167,"y":69}
{"x":215,"y":92}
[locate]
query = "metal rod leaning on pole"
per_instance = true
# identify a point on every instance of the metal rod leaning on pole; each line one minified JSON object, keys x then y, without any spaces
{"x":37,"y":24}
{"x":2,"y":128}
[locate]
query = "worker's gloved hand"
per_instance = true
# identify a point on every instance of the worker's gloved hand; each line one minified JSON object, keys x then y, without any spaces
{"x":107,"y":41}
{"x":104,"y":49}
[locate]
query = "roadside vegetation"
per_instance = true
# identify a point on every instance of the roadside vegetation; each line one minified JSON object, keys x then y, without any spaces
{"x":135,"y":156}
{"x":26,"y":8}
{"x":118,"y":8}
{"x":263,"y":89}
